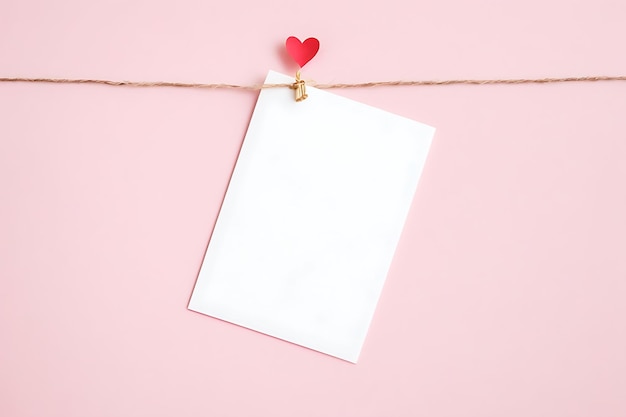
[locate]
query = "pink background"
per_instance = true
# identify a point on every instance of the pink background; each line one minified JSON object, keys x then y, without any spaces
{"x":506,"y":295}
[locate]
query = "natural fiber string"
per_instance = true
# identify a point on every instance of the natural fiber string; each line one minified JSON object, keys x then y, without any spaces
{"x":255,"y":87}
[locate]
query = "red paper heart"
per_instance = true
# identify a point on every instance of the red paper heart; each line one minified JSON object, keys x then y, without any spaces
{"x":302,"y":52}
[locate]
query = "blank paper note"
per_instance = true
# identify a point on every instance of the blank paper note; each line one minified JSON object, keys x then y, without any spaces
{"x":311,"y":219}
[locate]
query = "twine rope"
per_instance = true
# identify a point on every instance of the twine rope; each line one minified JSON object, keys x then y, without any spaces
{"x":256,"y":87}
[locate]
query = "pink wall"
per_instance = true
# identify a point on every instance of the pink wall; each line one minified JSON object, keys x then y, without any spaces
{"x":506,"y":295}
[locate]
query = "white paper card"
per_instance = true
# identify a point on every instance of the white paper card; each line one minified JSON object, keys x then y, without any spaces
{"x":311,"y":219}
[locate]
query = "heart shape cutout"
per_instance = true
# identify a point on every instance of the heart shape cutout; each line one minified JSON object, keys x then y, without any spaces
{"x":302,"y":52}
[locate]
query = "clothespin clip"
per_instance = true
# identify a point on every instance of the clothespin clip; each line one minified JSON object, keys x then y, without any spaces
{"x":300,"y":87}
{"x":301,"y":52}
